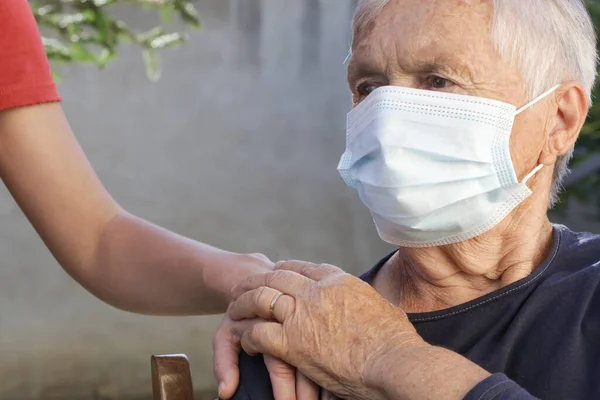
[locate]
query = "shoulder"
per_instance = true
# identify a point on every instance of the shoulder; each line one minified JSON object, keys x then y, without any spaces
{"x":573,"y":280}
{"x":25,"y":74}
{"x":369,"y":276}
{"x":577,"y":251}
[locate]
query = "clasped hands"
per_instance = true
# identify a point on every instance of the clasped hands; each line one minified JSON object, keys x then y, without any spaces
{"x":335,"y":330}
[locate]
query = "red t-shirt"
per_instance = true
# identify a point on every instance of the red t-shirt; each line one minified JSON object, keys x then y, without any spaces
{"x":25,"y":74}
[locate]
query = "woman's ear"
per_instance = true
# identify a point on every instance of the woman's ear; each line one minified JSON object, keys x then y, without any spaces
{"x":571,"y":113}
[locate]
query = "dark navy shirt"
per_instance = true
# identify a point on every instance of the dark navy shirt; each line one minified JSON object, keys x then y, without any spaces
{"x":539,"y":337}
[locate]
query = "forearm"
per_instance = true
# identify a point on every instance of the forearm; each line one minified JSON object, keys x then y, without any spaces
{"x":121,"y":259}
{"x":143,"y":268}
{"x":426,"y":372}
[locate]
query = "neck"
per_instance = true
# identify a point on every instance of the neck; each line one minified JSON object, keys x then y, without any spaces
{"x":430,"y":279}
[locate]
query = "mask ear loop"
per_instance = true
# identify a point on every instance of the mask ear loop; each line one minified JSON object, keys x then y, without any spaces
{"x":532,"y":102}
{"x":525,"y":107}
{"x":535,"y":171}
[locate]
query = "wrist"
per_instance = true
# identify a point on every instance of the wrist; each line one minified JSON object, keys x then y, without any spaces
{"x":240,"y":267}
{"x":391,"y":367}
{"x":425,"y":372}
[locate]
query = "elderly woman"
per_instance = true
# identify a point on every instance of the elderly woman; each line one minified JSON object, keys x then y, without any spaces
{"x":465,"y":116}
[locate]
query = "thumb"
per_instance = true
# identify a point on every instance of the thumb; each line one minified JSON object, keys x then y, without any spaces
{"x":226,"y":350}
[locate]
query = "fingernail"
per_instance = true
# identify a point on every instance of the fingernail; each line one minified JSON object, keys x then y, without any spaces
{"x":221,"y":388}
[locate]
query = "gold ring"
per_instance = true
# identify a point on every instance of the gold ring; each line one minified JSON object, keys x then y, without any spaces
{"x":273,"y":302}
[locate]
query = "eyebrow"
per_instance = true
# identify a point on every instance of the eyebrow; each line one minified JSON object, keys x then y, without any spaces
{"x":358,"y":69}
{"x":429,"y":67}
{"x":460,"y":72}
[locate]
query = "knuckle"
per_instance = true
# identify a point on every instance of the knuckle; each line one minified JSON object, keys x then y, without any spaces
{"x":233,"y":291}
{"x":274,"y":277}
{"x":290,"y":307}
{"x":259,"y":294}
{"x":307,"y":267}
{"x":330,"y":267}
{"x":253,"y":334}
{"x":322,"y":268}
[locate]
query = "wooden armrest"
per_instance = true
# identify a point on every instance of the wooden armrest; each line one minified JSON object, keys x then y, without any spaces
{"x":172,"y":377}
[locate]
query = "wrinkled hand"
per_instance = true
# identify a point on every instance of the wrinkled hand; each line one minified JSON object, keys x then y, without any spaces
{"x":287,"y":382}
{"x":335,"y":328}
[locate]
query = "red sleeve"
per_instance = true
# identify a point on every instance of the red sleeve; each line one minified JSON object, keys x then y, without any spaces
{"x":25,"y":74}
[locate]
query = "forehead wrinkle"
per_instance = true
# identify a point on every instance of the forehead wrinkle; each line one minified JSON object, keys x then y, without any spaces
{"x":418,"y":42}
{"x":367,"y":58}
{"x":368,"y":64}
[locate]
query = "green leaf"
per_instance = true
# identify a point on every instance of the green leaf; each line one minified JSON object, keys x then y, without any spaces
{"x":166,"y":14}
{"x":166,"y":41}
{"x":82,"y":54}
{"x":188,"y":14}
{"x":104,"y":57}
{"x":146,"y":37}
{"x":87,"y":32}
{"x":152,"y":65}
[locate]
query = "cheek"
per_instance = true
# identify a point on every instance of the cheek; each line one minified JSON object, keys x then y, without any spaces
{"x":526,"y":144}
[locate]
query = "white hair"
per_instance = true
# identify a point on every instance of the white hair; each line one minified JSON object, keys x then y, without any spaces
{"x":548,"y":41}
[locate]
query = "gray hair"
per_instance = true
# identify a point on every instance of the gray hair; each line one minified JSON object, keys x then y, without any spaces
{"x":549,"y":41}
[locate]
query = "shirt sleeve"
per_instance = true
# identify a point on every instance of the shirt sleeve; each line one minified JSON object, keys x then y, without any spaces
{"x":25,"y":74}
{"x":498,"y":387}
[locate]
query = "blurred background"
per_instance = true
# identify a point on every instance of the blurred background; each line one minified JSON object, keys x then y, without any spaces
{"x":236,"y":145}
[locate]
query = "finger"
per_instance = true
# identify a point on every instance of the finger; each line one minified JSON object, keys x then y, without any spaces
{"x":226,"y":349}
{"x":316,"y":272}
{"x":326,"y":395}
{"x":262,"y":337}
{"x":285,"y":281}
{"x":305,"y":388}
{"x":257,"y":304}
{"x":283,"y":378}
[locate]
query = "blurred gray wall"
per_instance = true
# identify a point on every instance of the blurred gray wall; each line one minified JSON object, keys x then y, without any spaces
{"x":236,"y":146}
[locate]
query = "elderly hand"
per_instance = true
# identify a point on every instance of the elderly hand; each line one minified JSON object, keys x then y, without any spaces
{"x":333,"y":327}
{"x":287,"y":382}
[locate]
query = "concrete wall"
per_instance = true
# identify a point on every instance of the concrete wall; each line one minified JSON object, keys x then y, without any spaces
{"x":236,"y":146}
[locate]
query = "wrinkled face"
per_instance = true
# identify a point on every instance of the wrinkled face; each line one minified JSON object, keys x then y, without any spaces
{"x":445,"y":45}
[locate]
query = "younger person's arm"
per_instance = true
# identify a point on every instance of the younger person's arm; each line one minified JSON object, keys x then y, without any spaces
{"x":123,"y":260}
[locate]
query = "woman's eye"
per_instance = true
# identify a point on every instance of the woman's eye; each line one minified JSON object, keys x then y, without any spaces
{"x":436,"y":82}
